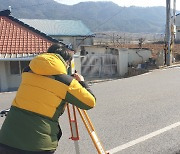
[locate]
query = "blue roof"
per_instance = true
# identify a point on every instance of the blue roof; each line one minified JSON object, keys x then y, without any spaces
{"x":59,"y":27}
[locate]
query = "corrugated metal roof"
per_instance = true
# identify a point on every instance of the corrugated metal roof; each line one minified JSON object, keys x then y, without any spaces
{"x":59,"y":27}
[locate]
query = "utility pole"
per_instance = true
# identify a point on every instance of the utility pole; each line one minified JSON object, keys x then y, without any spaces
{"x":168,"y":33}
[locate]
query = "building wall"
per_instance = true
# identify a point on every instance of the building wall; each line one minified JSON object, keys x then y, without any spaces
{"x":95,"y":50}
{"x":123,"y":62}
{"x":132,"y":57}
{"x":125,"y":56}
{"x":75,"y":41}
{"x":138,"y":56}
{"x":3,"y":77}
{"x":178,"y":27}
{"x":14,"y":80}
{"x":8,"y":81}
{"x":178,"y":20}
{"x":177,"y":32}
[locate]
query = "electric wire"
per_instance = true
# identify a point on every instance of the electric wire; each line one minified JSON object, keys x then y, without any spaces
{"x":105,"y":21}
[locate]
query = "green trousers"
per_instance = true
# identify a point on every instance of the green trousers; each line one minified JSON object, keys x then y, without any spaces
{"x":4,"y":149}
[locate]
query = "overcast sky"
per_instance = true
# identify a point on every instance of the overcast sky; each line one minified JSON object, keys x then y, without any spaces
{"x":142,"y":3}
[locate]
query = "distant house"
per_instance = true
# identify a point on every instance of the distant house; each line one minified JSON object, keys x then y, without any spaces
{"x":19,"y":43}
{"x":71,"y":32}
{"x":178,"y":27}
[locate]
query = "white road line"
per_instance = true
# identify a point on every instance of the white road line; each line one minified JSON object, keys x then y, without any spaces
{"x":143,"y":138}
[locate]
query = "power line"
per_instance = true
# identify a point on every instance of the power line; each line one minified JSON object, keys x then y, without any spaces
{"x":108,"y":19}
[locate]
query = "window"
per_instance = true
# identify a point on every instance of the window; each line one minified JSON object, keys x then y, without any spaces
{"x":16,"y":67}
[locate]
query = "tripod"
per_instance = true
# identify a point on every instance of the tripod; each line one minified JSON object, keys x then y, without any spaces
{"x":89,"y":126}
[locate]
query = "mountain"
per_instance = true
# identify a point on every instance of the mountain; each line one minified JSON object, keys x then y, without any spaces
{"x":98,"y":16}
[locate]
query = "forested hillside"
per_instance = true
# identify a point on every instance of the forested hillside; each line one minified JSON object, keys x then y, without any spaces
{"x":98,"y":16}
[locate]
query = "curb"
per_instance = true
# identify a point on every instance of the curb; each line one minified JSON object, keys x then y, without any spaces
{"x":7,"y":92}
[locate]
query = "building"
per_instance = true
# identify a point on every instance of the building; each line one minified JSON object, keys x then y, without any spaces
{"x":103,"y":61}
{"x":71,"y":32}
{"x":19,"y":43}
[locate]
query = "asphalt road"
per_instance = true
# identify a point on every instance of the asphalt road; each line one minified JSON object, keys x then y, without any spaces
{"x":137,"y":115}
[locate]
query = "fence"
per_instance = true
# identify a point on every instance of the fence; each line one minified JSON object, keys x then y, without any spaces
{"x":99,"y":65}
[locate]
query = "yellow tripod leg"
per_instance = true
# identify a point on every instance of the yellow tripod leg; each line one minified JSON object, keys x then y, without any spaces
{"x":90,"y":128}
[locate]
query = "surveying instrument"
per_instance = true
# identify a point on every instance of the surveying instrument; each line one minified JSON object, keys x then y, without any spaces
{"x":71,"y":109}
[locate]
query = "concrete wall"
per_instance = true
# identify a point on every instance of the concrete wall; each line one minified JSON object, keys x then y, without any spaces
{"x":8,"y":82}
{"x":95,"y":49}
{"x":123,"y":62}
{"x":126,"y":56}
{"x":160,"y":59}
{"x":3,"y":77}
{"x":135,"y":56}
{"x":138,"y":56}
{"x":131,"y":57}
{"x":14,"y":80}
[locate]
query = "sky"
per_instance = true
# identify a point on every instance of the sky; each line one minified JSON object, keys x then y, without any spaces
{"x":141,"y":3}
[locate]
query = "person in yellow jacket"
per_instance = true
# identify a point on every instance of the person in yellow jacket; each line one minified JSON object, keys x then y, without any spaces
{"x":31,"y":125}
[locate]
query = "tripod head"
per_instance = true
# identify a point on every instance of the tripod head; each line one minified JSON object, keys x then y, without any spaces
{"x":4,"y":112}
